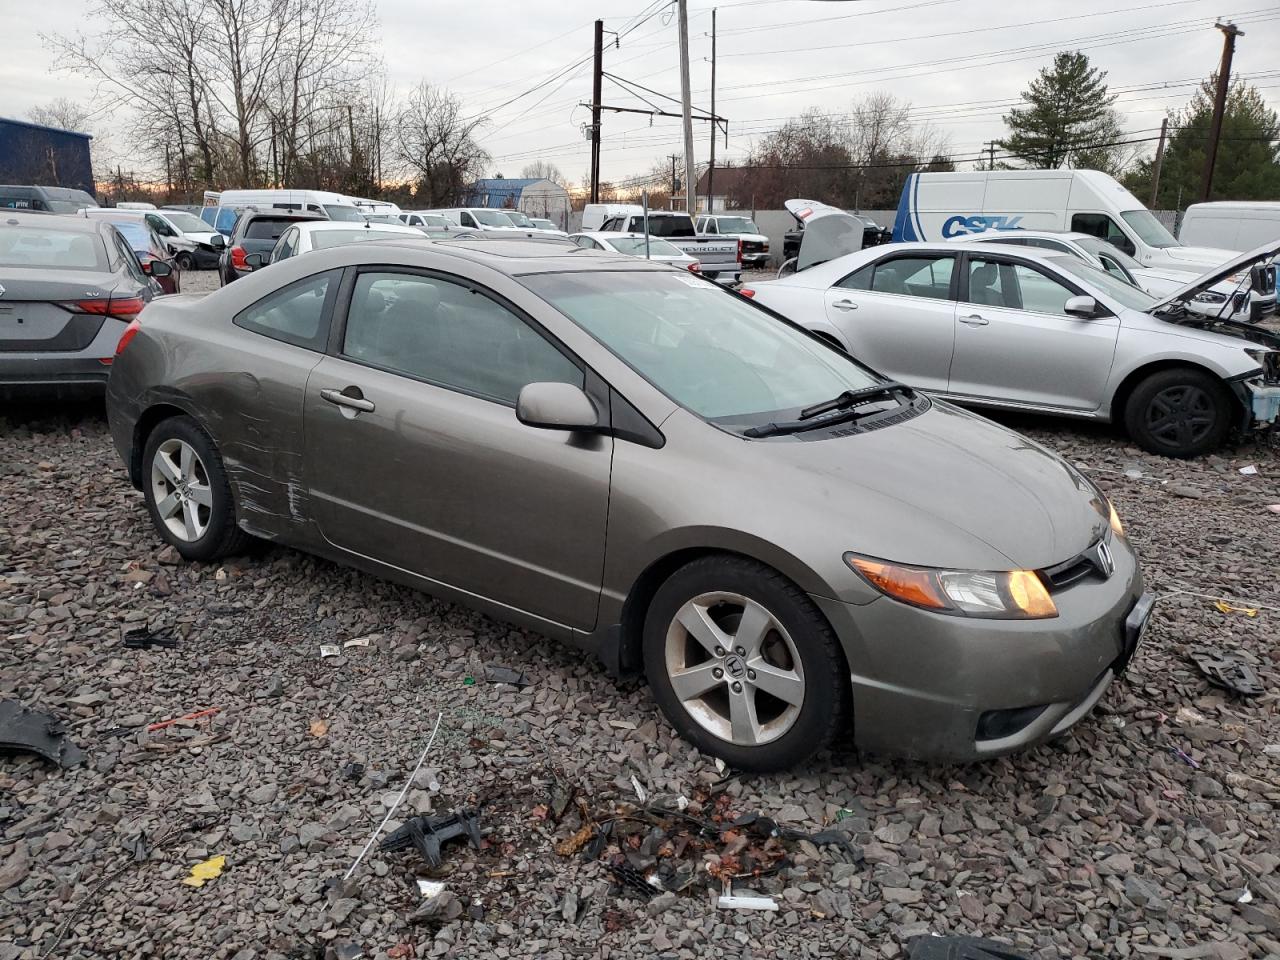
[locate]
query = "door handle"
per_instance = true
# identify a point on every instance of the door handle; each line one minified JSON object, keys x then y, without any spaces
{"x":975,"y":320}
{"x":342,"y":399}
{"x":845,"y":305}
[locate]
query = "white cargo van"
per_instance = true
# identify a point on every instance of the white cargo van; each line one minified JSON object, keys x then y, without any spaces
{"x":939,"y":206}
{"x":331,"y":205}
{"x":595,"y":214}
{"x":1231,"y":225}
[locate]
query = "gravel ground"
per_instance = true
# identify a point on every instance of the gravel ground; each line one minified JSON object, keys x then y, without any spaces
{"x":1104,"y":843}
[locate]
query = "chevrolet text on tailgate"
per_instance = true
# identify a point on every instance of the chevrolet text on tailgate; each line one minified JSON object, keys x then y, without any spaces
{"x":720,"y":258}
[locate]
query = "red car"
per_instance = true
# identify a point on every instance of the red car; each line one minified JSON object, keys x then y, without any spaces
{"x":148,"y":247}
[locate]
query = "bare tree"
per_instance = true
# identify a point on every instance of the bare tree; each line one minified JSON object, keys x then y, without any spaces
{"x":64,"y":114}
{"x":437,"y":145}
{"x":544,"y":170}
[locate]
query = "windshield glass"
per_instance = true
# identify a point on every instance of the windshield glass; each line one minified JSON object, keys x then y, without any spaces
{"x":543,"y":224}
{"x":1100,"y":248}
{"x":634,"y":246}
{"x":322,"y":239}
{"x":67,"y":206}
{"x":185,"y":222}
{"x":1114,"y":287}
{"x":382,"y":218}
{"x":518,"y":218}
{"x":1149,"y":229}
{"x":708,"y":350}
{"x":338,"y":211}
{"x":736,"y":225}
{"x":492,"y":218}
{"x":434,"y":220}
{"x":50,"y":249}
{"x":677,"y":226}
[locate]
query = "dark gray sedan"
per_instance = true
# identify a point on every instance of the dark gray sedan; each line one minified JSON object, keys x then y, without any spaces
{"x":630,"y":458}
{"x":68,"y":289}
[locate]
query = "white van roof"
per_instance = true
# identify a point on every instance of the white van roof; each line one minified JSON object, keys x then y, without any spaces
{"x":1236,"y":206}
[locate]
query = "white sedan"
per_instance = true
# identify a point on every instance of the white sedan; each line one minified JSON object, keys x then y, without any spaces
{"x":633,"y":245}
{"x":308,"y":235}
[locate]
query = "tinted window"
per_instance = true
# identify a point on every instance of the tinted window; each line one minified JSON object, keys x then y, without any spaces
{"x":130,"y":259}
{"x":42,"y":247}
{"x":1101,"y":226}
{"x":714,"y":353}
{"x":264,"y":228}
{"x":293,"y":314}
{"x":159,"y":226}
{"x":492,"y":218}
{"x":338,"y":211}
{"x":859,"y":279}
{"x":450,"y":335}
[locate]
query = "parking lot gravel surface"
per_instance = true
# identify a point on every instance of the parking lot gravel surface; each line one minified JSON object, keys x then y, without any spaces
{"x":1151,"y":830}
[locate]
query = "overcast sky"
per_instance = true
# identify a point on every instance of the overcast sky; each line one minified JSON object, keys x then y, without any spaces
{"x":958,"y":62}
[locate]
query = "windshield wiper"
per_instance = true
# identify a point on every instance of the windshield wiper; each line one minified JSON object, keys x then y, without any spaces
{"x":844,"y":401}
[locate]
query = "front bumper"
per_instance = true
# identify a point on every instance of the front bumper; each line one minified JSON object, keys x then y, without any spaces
{"x":755,"y":260}
{"x":939,"y":687}
{"x":1261,"y":402}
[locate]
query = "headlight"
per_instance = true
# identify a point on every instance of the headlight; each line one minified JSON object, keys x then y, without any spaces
{"x":1000,"y":594}
{"x":1116,"y":526}
{"x":1209,"y":296}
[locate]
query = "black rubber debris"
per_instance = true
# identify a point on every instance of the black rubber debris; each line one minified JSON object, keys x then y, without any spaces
{"x":23,"y":730}
{"x":1229,"y":671}
{"x":959,"y":948}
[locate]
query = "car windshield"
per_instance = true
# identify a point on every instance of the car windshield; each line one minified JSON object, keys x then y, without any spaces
{"x":434,"y":220}
{"x":492,"y":218}
{"x":543,"y":224}
{"x":736,"y":225}
{"x":1100,"y":248}
{"x":708,"y":350}
{"x":339,"y":211}
{"x":322,"y":239}
{"x":1149,"y":229}
{"x":634,"y":246}
{"x":518,"y":218}
{"x":185,"y":222}
{"x":266,"y":228}
{"x":1114,"y":287}
{"x":382,"y":218}
{"x":67,"y":206}
{"x":677,"y":226}
{"x":50,"y":249}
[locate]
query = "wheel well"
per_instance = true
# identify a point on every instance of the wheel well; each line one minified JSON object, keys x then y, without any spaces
{"x":829,"y":338}
{"x":1121,"y":398}
{"x":150,"y":419}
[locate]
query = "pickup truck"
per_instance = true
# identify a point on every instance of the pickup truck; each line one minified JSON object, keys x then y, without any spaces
{"x":755,"y":245}
{"x":720,"y":258}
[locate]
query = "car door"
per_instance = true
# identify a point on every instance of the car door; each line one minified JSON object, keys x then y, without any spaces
{"x":898,"y":316}
{"x":415,"y":457}
{"x":1015,"y":342}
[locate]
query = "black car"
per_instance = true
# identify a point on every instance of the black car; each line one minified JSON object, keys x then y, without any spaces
{"x":69,"y":288}
{"x":255,"y":232}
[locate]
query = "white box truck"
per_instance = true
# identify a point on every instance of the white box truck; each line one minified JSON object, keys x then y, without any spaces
{"x":939,"y":206}
{"x":1231,"y":225}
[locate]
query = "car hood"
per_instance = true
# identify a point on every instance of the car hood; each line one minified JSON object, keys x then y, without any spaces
{"x":1199,"y":258}
{"x":1234,"y":264}
{"x":949,"y":488}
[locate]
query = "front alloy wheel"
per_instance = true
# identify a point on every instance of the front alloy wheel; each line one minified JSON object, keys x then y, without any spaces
{"x":181,"y":491}
{"x":1180,"y":412}
{"x":734,"y":668}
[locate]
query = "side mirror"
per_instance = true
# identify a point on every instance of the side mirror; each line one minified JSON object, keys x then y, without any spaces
{"x":218,"y":242}
{"x":556,"y":406}
{"x":157,"y":268}
{"x":1258,"y":279}
{"x":1084,"y":307}
{"x":255,"y":260}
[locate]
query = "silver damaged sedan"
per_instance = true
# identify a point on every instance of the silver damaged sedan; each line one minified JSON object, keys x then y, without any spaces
{"x":790,"y":547}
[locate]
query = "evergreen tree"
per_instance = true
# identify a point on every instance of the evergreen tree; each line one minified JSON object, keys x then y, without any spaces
{"x":1248,"y":164}
{"x":1068,"y":113}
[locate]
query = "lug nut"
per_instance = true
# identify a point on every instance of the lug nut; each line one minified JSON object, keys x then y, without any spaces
{"x":751,"y":674}
{"x":740,"y":651}
{"x":718,"y":673}
{"x":719,"y":651}
{"x":737,"y":687}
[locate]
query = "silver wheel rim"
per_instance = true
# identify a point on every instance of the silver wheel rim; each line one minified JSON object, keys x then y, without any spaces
{"x":735,"y":669}
{"x":180,"y":488}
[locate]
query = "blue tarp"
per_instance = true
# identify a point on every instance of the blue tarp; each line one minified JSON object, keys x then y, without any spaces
{"x":35,"y":154}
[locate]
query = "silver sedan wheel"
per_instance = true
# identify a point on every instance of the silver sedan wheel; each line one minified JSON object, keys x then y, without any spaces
{"x":180,"y":487}
{"x":734,"y":668}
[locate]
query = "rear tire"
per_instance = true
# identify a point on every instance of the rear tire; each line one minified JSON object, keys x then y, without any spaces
{"x":1179,"y":413}
{"x":186,"y":261}
{"x":188,"y":494}
{"x":777,"y":692}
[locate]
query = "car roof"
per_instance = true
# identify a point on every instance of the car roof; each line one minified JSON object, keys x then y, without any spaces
{"x":280,"y":215}
{"x":514,"y":257}
{"x":21,"y":218}
{"x":1045,"y":234}
{"x":312,"y":225}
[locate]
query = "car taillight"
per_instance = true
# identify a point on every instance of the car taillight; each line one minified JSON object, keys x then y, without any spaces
{"x":130,"y":332}
{"x":694,"y":267}
{"x":739,"y":249}
{"x":122,"y":308}
{"x":237,"y":258}
{"x":747,"y":292}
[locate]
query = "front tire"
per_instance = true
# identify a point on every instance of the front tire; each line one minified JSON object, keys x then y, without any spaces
{"x":186,"y":261}
{"x":1179,"y":413}
{"x":187,"y":492}
{"x":744,"y":665}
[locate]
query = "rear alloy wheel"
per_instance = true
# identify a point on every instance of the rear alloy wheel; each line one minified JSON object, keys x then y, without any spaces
{"x":186,"y":261}
{"x":744,"y":665}
{"x":1179,"y":413}
{"x":187,"y":492}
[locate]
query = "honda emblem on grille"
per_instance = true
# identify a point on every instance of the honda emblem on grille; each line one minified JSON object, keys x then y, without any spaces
{"x":1,"y":291}
{"x":1106,"y":562}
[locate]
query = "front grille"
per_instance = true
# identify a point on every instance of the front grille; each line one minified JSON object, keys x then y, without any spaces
{"x":752,"y":246}
{"x":1089,"y":563}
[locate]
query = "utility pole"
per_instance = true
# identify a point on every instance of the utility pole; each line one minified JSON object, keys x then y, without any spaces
{"x":351,"y":133}
{"x":675,"y":181}
{"x":686,"y":102}
{"x":711,"y":170}
{"x":991,"y":154}
{"x":1229,"y":33}
{"x":1158,"y":163}
{"x":596,"y":80}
